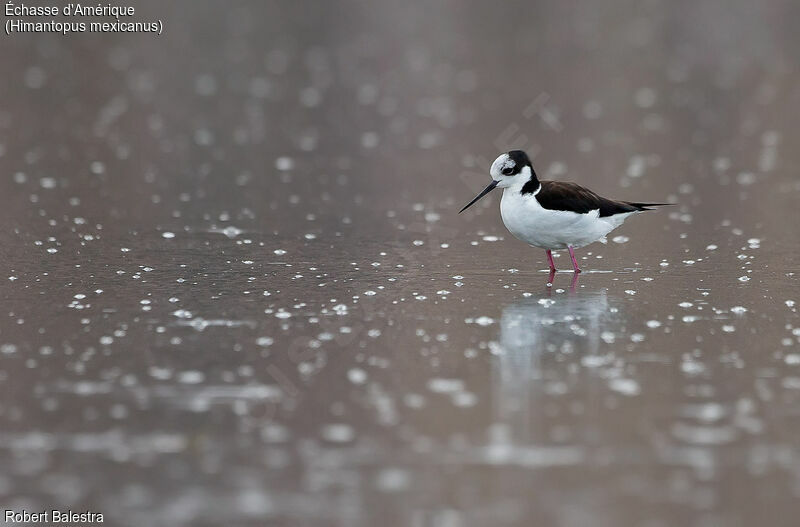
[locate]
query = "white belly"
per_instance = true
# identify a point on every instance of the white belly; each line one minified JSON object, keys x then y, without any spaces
{"x":553,"y":229}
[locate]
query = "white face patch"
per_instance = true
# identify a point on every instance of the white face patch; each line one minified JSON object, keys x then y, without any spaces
{"x":502,"y":162}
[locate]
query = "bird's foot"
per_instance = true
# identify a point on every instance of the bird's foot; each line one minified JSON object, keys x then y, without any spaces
{"x":574,"y":261}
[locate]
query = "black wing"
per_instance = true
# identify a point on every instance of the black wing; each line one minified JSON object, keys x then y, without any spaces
{"x":558,"y":195}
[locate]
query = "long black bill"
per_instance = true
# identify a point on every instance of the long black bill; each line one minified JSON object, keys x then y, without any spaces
{"x":479,"y":196}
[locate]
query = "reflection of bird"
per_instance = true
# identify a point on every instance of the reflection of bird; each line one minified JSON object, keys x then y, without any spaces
{"x":527,"y":328}
{"x":528,"y":324}
{"x":553,"y":214}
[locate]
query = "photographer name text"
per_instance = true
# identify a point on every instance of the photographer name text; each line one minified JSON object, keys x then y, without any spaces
{"x":51,"y":516}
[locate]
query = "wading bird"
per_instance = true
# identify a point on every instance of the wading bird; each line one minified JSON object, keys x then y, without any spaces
{"x":553,"y":215}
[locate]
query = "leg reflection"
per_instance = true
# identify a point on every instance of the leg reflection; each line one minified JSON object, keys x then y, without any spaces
{"x":551,"y":280}
{"x":574,"y":283}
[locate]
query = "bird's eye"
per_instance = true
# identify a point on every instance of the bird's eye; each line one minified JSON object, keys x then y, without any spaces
{"x":507,"y":171}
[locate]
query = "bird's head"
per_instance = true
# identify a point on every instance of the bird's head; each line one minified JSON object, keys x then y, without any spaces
{"x":511,"y":169}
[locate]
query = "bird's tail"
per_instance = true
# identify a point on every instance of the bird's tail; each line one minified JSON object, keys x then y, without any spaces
{"x":646,"y":206}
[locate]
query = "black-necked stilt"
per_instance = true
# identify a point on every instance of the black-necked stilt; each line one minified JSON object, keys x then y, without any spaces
{"x":553,"y":215}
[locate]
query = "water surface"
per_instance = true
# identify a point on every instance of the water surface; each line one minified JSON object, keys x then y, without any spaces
{"x":236,"y":290}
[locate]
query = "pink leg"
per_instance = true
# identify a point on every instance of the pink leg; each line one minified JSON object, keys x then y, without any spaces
{"x":550,"y":259}
{"x":574,"y":261}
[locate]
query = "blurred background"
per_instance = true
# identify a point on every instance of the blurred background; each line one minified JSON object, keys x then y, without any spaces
{"x":236,"y":290}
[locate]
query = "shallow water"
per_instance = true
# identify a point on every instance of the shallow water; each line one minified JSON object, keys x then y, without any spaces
{"x":237,"y":290}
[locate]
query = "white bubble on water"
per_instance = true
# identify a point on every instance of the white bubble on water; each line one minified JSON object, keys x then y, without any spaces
{"x":393,"y":480}
{"x":746,"y":178}
{"x":230,"y":231}
{"x":284,"y":163}
{"x":625,"y":386}
{"x":357,"y":375}
{"x":168,"y":235}
{"x":338,"y":433}
{"x":620,"y":239}
{"x":191,"y":377}
{"x":310,"y":97}
{"x":369,"y":139}
{"x":692,"y":367}
{"x":464,"y":399}
{"x":636,"y":166}
{"x":432,"y":217}
{"x":738,"y":310}
{"x":645,"y":97}
{"x":595,"y":361}
{"x":445,"y":385}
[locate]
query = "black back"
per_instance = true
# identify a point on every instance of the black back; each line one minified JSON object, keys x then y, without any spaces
{"x":558,"y":195}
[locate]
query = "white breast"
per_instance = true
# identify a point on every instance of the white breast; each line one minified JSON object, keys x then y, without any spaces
{"x":528,"y":221}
